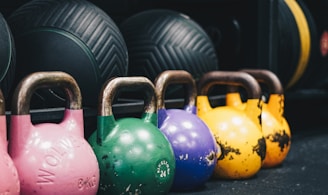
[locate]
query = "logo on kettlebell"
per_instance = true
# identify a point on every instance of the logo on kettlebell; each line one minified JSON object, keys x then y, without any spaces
{"x":53,"y":158}
{"x":163,"y":170}
{"x":87,"y":183}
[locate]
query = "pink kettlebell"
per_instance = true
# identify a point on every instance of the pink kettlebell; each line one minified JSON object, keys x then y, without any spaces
{"x":51,"y":158}
{"x":9,"y":182}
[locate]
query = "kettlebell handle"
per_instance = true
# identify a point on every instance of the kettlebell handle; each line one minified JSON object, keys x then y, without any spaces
{"x":28,"y":85}
{"x":176,"y":77}
{"x":268,"y":78}
{"x":111,"y":87}
{"x":230,"y":78}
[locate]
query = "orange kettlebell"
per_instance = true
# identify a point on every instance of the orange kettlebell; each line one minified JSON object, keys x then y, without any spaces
{"x":275,"y":127}
{"x":237,"y":131}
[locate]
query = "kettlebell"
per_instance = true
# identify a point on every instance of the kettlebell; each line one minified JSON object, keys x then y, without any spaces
{"x":237,"y":131}
{"x":134,"y":155}
{"x":51,"y":158}
{"x":194,"y":146}
{"x":9,"y":181}
{"x":275,"y":127}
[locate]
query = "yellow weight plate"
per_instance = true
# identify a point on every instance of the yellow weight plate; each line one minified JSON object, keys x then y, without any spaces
{"x":305,"y":39}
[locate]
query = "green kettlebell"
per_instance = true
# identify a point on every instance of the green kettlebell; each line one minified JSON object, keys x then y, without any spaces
{"x":134,"y":156}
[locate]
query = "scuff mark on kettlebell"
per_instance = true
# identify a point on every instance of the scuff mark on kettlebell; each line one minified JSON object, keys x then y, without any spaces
{"x":104,"y":157}
{"x":210,"y":158}
{"x":281,"y":103}
{"x":282,"y":139}
{"x":105,"y":162}
{"x":132,"y":190}
{"x":260,"y":148}
{"x":259,"y":105}
{"x":226,"y":150}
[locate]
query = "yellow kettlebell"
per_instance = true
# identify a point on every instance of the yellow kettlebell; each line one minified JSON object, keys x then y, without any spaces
{"x":237,"y":131}
{"x":275,"y":127}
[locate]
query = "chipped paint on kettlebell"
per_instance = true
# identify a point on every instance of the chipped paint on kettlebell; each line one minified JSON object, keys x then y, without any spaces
{"x":260,"y":148}
{"x":226,"y":150}
{"x":211,"y":158}
{"x":283,"y":139}
{"x":260,"y":106}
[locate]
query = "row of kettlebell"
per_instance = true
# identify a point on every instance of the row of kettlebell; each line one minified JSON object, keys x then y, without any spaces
{"x":131,"y":155}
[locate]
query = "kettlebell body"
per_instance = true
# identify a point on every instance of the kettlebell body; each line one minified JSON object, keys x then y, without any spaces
{"x":238,"y":132}
{"x":134,"y":156}
{"x":193,"y":144}
{"x":275,"y":127}
{"x":9,"y":181}
{"x":52,"y":158}
{"x":277,"y":134}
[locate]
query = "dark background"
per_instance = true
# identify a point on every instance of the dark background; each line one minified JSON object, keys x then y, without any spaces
{"x":305,"y":169}
{"x":253,"y":47}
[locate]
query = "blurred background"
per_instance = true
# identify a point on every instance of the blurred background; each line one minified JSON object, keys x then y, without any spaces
{"x":290,"y":40}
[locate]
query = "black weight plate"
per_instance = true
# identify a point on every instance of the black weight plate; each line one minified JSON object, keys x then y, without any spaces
{"x":162,"y":39}
{"x":288,"y":43}
{"x":308,"y":78}
{"x":52,"y":56}
{"x":227,"y":39}
{"x":7,"y":57}
{"x":159,"y":39}
{"x":319,"y":11}
{"x":73,"y":36}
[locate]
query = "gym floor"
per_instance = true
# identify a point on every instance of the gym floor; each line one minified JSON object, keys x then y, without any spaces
{"x":306,"y":166}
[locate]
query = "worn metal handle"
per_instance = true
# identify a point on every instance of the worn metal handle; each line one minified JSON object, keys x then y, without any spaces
{"x":169,"y":77}
{"x":112,"y":86}
{"x":32,"y":82}
{"x":268,"y":78}
{"x":230,"y":78}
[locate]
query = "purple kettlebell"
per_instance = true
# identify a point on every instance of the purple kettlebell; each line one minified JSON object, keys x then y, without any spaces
{"x":194,"y":146}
